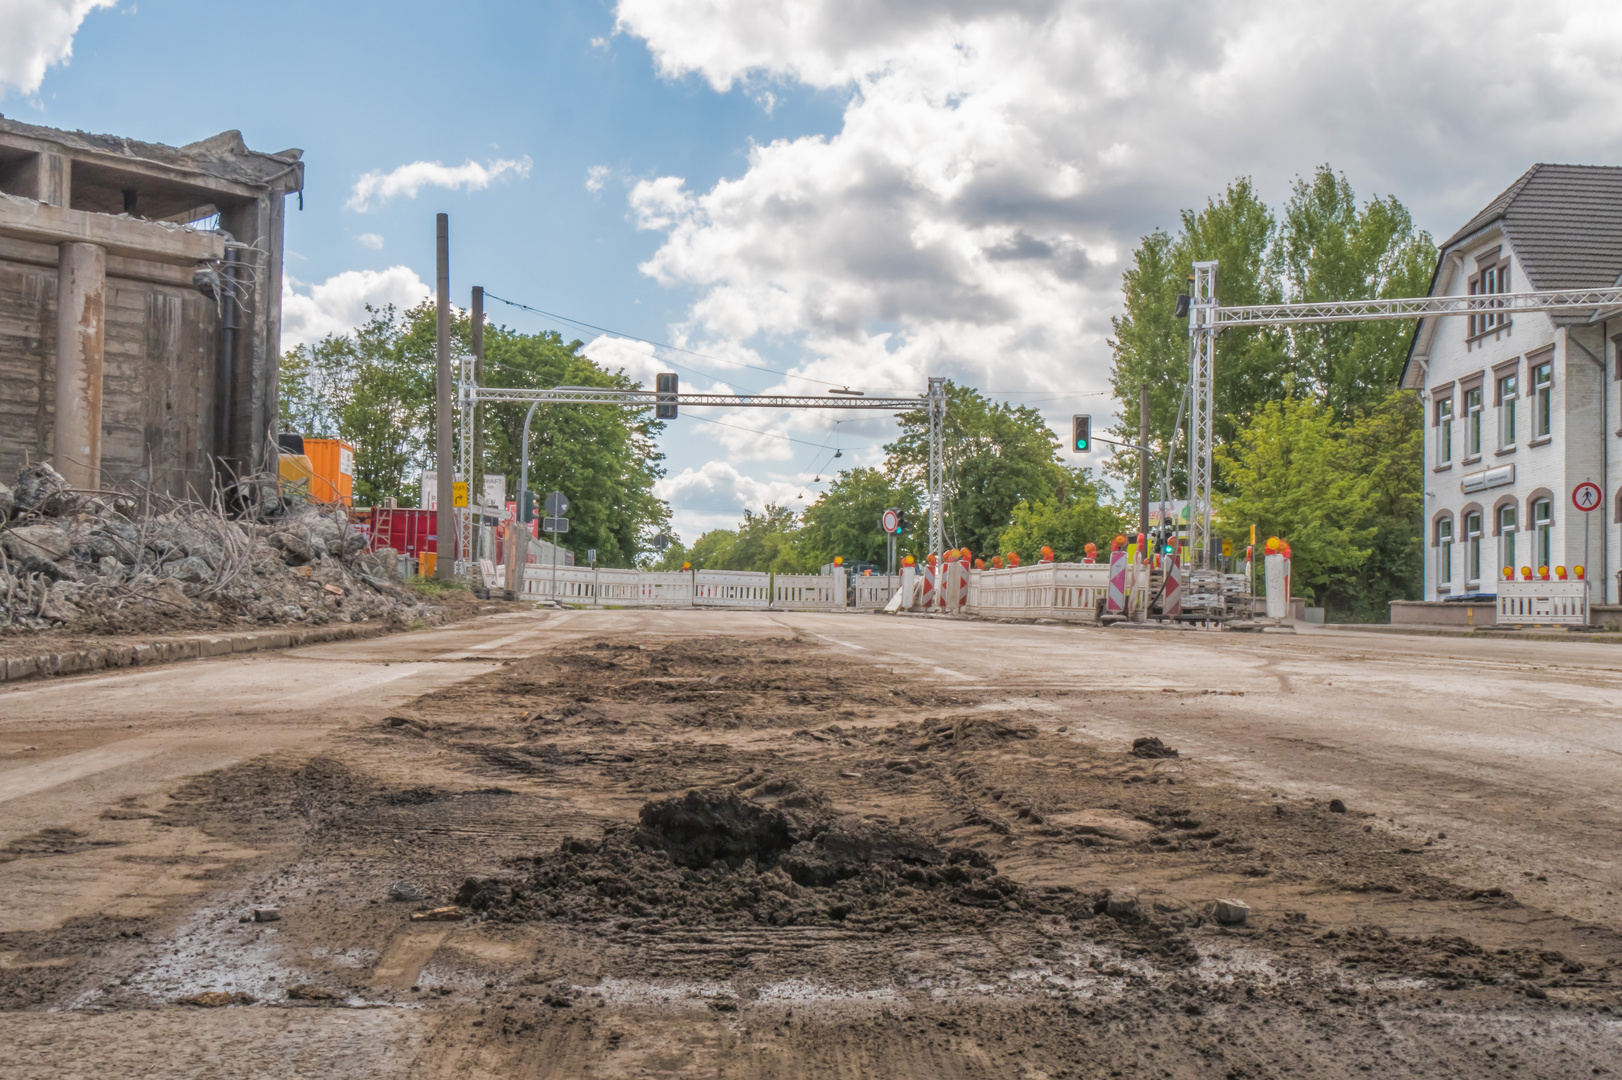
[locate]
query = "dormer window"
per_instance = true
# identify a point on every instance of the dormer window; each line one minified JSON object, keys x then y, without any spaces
{"x":1491,"y":279}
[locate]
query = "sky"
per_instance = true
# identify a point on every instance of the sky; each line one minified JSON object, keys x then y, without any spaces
{"x":857,"y":193}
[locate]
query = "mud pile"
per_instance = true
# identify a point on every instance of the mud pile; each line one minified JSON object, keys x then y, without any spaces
{"x":715,"y":858}
{"x":93,"y":563}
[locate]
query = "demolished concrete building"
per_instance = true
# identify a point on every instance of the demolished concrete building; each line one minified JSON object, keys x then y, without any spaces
{"x":140,"y":306}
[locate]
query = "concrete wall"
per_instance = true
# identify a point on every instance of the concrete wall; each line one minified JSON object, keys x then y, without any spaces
{"x":149,"y":337}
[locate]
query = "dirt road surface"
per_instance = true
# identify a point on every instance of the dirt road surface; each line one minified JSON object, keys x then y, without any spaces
{"x":616,"y":843}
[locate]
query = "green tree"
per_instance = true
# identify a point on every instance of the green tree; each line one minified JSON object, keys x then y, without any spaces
{"x":766,"y":541}
{"x":997,"y":456}
{"x":375,"y":389}
{"x":1290,"y":475}
{"x":1330,"y":249}
{"x":1066,"y":523}
{"x":1387,"y":447}
{"x":1149,"y":344}
{"x":372,"y":389}
{"x":711,"y":551}
{"x":844,"y":521}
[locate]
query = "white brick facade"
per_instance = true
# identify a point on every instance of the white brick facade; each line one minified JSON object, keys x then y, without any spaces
{"x":1548,"y":407}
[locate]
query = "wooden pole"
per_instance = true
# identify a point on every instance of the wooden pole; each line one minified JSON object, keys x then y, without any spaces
{"x":477,"y":479}
{"x":445,"y":462}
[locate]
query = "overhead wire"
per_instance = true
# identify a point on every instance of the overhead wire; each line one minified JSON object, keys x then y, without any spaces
{"x":668,"y":346}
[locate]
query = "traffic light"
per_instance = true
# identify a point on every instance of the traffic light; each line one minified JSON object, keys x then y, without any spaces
{"x":900,"y":522}
{"x":526,"y":509}
{"x":1081,"y":434}
{"x":667,"y":383}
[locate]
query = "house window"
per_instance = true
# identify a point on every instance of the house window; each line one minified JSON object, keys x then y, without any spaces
{"x":1506,"y":540}
{"x":1491,"y":281}
{"x":1444,"y":431}
{"x":1472,"y":423}
{"x":1444,"y":552}
{"x":1506,"y":412}
{"x":1542,"y":400}
{"x":1472,"y":547}
{"x":1542,"y":530}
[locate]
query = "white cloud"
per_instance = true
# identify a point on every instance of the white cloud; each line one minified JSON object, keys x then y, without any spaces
{"x":376,"y":188}
{"x":716,"y":495}
{"x":596,"y":177}
{"x":997,"y":161}
{"x":371,"y":240}
{"x":336,"y":306}
{"x":36,"y":34}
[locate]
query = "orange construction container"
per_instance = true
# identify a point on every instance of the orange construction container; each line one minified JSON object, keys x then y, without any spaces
{"x":334,"y":463}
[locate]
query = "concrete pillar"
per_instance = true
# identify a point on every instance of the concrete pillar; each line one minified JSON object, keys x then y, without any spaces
{"x":55,"y":180}
{"x":81,"y":288}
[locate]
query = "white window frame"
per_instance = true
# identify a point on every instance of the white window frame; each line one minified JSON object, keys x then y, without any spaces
{"x":1444,"y":555}
{"x":1543,"y":532}
{"x":1472,"y":423}
{"x":1506,"y":539}
{"x":1472,"y":548}
{"x":1507,"y":387}
{"x":1543,"y":400}
{"x":1444,"y":431}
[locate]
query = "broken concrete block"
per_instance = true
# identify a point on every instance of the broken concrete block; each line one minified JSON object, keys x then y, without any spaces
{"x":41,"y":541}
{"x":1123,"y":905}
{"x":1230,"y":912}
{"x":266,"y":914}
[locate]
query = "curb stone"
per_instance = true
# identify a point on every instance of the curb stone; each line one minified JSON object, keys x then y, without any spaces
{"x":175,"y":649}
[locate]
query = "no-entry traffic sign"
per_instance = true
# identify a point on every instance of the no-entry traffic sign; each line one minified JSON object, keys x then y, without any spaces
{"x":1586,"y":496}
{"x":890,"y":520}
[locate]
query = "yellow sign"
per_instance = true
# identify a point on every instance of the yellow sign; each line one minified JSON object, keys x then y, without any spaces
{"x":459,"y":493}
{"x":1253,"y":536}
{"x":1227,"y":548}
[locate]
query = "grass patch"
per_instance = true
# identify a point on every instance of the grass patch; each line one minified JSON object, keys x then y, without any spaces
{"x":432,"y":588}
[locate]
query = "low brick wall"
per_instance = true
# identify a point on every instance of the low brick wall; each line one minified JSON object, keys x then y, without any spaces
{"x":168,"y":650}
{"x":1462,"y":614}
{"x":1437,"y":613}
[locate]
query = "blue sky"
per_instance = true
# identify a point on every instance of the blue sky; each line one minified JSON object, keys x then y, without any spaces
{"x":852,"y":191}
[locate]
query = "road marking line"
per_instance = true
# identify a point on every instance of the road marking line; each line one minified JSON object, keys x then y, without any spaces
{"x":16,"y":783}
{"x":836,"y":641}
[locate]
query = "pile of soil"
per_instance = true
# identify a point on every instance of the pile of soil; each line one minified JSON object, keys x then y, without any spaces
{"x":89,"y":563}
{"x":716,"y":858}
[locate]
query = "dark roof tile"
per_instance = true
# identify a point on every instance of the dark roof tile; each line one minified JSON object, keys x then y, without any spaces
{"x":1564,"y":222}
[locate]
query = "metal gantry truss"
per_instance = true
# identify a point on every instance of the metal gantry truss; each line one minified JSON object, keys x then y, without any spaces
{"x":470,"y":396}
{"x":1207,"y":318}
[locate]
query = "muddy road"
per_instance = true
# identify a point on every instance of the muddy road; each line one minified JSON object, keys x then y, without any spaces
{"x":751,"y":845}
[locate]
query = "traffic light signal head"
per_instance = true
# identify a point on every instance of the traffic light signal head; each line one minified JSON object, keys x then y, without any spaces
{"x":526,"y":510}
{"x":1081,"y":434}
{"x":666,"y":386}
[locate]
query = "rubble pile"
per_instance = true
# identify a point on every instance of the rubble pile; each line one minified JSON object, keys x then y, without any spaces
{"x":111,"y":563}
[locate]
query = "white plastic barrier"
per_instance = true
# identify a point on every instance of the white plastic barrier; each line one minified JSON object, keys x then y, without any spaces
{"x":872,"y":593}
{"x":809,"y":592}
{"x":1557,"y":603}
{"x":567,"y":584}
{"x":632,"y":588}
{"x":732,"y":588}
{"x":1050,"y":591}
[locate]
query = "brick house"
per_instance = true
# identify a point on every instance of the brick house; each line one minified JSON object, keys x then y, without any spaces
{"x":1520,"y":409}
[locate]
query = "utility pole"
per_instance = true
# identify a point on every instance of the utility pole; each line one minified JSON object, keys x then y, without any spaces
{"x":1143,"y":459}
{"x":445,"y":463}
{"x":476,"y":481}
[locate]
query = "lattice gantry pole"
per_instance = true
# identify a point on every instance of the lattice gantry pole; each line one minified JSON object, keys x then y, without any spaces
{"x":1202,"y":332}
{"x":467,"y":399}
{"x":937,"y":466}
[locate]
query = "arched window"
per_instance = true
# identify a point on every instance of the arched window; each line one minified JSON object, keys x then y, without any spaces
{"x":1444,"y":552}
{"x":1542,"y":532}
{"x":1472,"y":548}
{"x":1506,"y":519}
